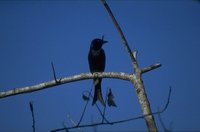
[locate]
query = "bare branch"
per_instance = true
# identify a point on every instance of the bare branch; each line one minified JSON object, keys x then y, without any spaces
{"x":124,"y":41}
{"x":137,"y":82}
{"x":82,"y":76}
{"x":87,"y":98}
{"x":151,"y":67}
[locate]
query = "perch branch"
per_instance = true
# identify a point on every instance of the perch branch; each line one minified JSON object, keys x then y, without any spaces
{"x":83,"y":76}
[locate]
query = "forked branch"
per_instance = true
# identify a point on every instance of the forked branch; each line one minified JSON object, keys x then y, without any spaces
{"x":137,"y":82}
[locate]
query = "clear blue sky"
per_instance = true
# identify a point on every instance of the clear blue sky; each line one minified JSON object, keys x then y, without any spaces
{"x":35,"y":33}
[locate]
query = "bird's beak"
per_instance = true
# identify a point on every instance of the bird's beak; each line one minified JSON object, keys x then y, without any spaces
{"x":105,"y":41}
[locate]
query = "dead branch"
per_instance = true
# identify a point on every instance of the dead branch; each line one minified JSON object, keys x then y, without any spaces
{"x":53,"y":83}
{"x":151,"y":67}
{"x":137,"y":82}
{"x":124,"y":41}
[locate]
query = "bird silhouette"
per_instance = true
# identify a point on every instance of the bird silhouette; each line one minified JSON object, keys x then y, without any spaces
{"x":97,"y":61}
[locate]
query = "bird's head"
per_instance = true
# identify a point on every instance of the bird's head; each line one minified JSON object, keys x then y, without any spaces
{"x":96,"y":44}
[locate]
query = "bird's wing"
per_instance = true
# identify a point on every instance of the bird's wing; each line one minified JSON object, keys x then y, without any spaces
{"x":103,"y":60}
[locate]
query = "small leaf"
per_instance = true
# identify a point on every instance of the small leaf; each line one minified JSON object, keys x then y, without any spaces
{"x":85,"y":98}
{"x":110,"y":101}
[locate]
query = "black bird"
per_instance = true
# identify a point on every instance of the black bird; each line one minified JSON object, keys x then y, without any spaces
{"x":97,"y":61}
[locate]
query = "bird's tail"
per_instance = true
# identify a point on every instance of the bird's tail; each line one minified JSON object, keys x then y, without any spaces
{"x":97,"y":92}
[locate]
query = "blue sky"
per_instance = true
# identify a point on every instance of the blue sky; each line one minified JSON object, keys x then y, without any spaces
{"x":35,"y":33}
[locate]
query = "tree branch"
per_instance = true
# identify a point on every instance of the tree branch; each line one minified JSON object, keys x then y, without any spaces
{"x":137,"y":82}
{"x":124,"y":41}
{"x":151,"y":67}
{"x":82,"y":76}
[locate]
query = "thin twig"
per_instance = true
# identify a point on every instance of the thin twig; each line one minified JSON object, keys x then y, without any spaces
{"x":103,"y":117}
{"x":90,"y":95}
{"x":33,"y":117}
{"x":98,"y":108}
{"x":84,"y":108}
{"x":54,"y":74}
{"x":121,"y":121}
{"x":83,"y":113}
